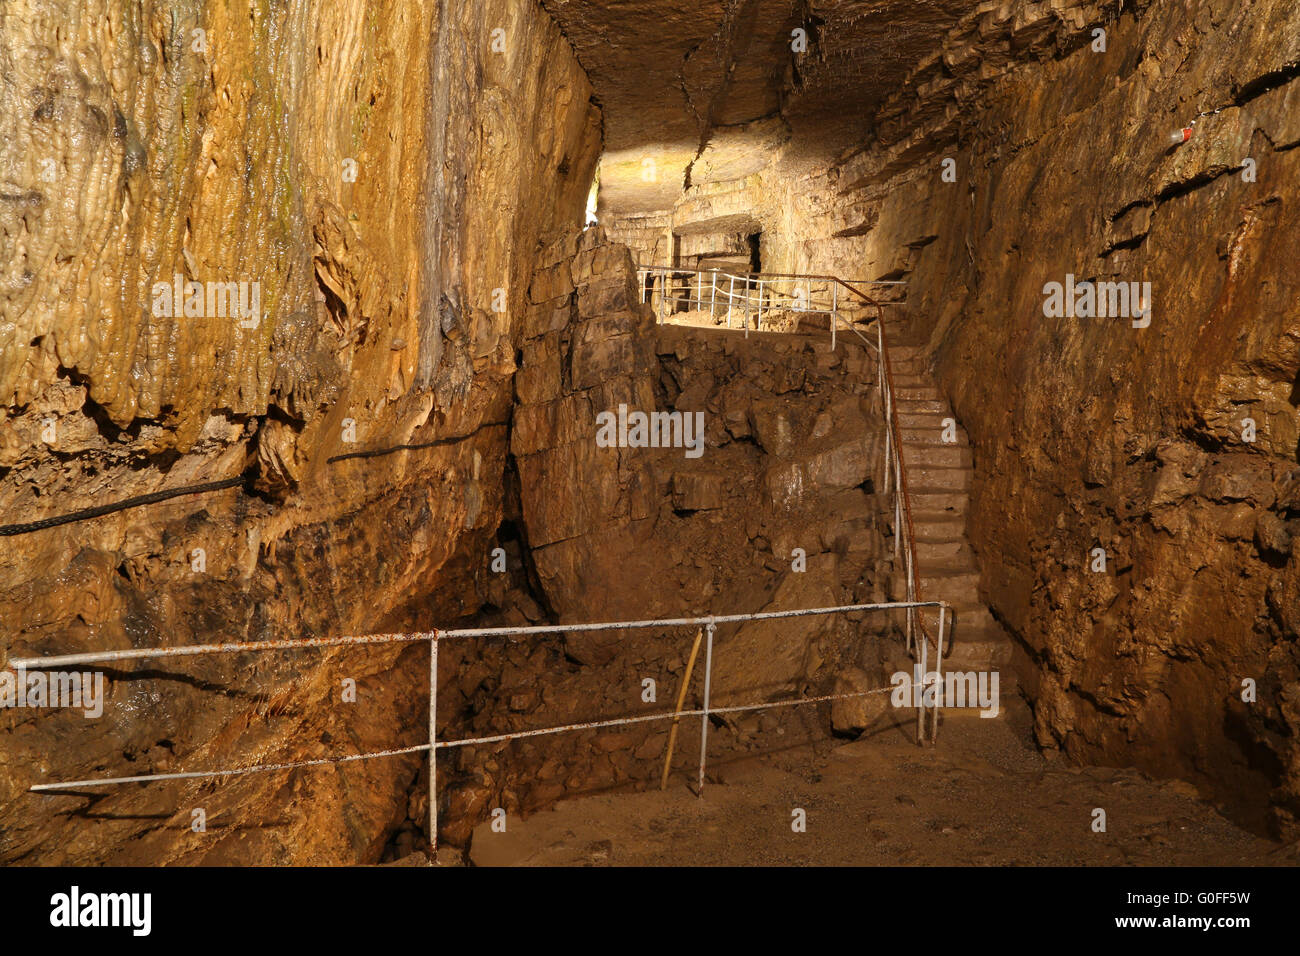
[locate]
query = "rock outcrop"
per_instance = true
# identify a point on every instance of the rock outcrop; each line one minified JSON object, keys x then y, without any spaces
{"x":1171,"y":447}
{"x":775,"y":509}
{"x":384,"y":174}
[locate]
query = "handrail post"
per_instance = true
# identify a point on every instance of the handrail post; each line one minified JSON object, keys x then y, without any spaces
{"x":920,"y":704}
{"x":699,"y":289}
{"x":888,"y":452}
{"x":910,"y":570}
{"x":938,"y":669}
{"x":886,"y":400}
{"x":898,"y":511}
{"x":835,"y":299}
{"x":433,"y":747}
{"x":708,"y":681}
{"x":748,"y":302}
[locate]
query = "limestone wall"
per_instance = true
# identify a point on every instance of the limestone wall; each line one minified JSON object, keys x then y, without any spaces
{"x":1089,"y":432}
{"x":381,"y":170}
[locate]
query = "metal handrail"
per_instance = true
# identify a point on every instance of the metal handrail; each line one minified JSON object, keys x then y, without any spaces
{"x":773,"y":275}
{"x":434,"y":637}
{"x":755,"y":295}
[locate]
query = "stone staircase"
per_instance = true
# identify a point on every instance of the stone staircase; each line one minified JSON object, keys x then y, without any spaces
{"x":939,"y":478}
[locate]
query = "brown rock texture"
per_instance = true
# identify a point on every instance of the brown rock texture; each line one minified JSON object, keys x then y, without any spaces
{"x":426,"y":343}
{"x":792,"y":440}
{"x":749,"y":107}
{"x":1089,"y":432}
{"x":385,"y":173}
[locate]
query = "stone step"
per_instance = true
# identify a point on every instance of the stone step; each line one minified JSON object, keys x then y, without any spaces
{"x":936,"y":410}
{"x":938,"y":526}
{"x":951,"y":586}
{"x":908,"y":367}
{"x":911,"y":380}
{"x":950,"y":573}
{"x":930,"y":478}
{"x":904,"y":392}
{"x":922,"y":391}
{"x":981,"y":653}
{"x":914,"y":405}
{"x":1007,"y":696}
{"x":936,"y":456}
{"x":956,"y":568}
{"x":972,"y":620}
{"x":1006,"y":676}
{"x":925,"y":434}
{"x":976,"y":653}
{"x":960,"y":606}
{"x":950,"y":552}
{"x":941,"y":502}
{"x":921,"y":419}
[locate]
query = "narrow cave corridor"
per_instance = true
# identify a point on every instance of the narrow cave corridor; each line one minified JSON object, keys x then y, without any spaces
{"x":639,"y":432}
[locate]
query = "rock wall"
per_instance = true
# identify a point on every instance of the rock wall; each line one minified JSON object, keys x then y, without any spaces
{"x":1093,"y":433}
{"x":385,"y":173}
{"x":792,"y":439}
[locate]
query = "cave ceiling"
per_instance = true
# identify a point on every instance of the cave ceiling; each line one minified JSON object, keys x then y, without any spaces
{"x":678,"y":77}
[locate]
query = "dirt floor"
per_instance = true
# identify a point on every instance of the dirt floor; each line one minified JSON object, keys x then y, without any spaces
{"x":982,"y":796}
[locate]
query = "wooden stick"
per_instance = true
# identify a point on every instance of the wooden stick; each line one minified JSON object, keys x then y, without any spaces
{"x":681,"y":699}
